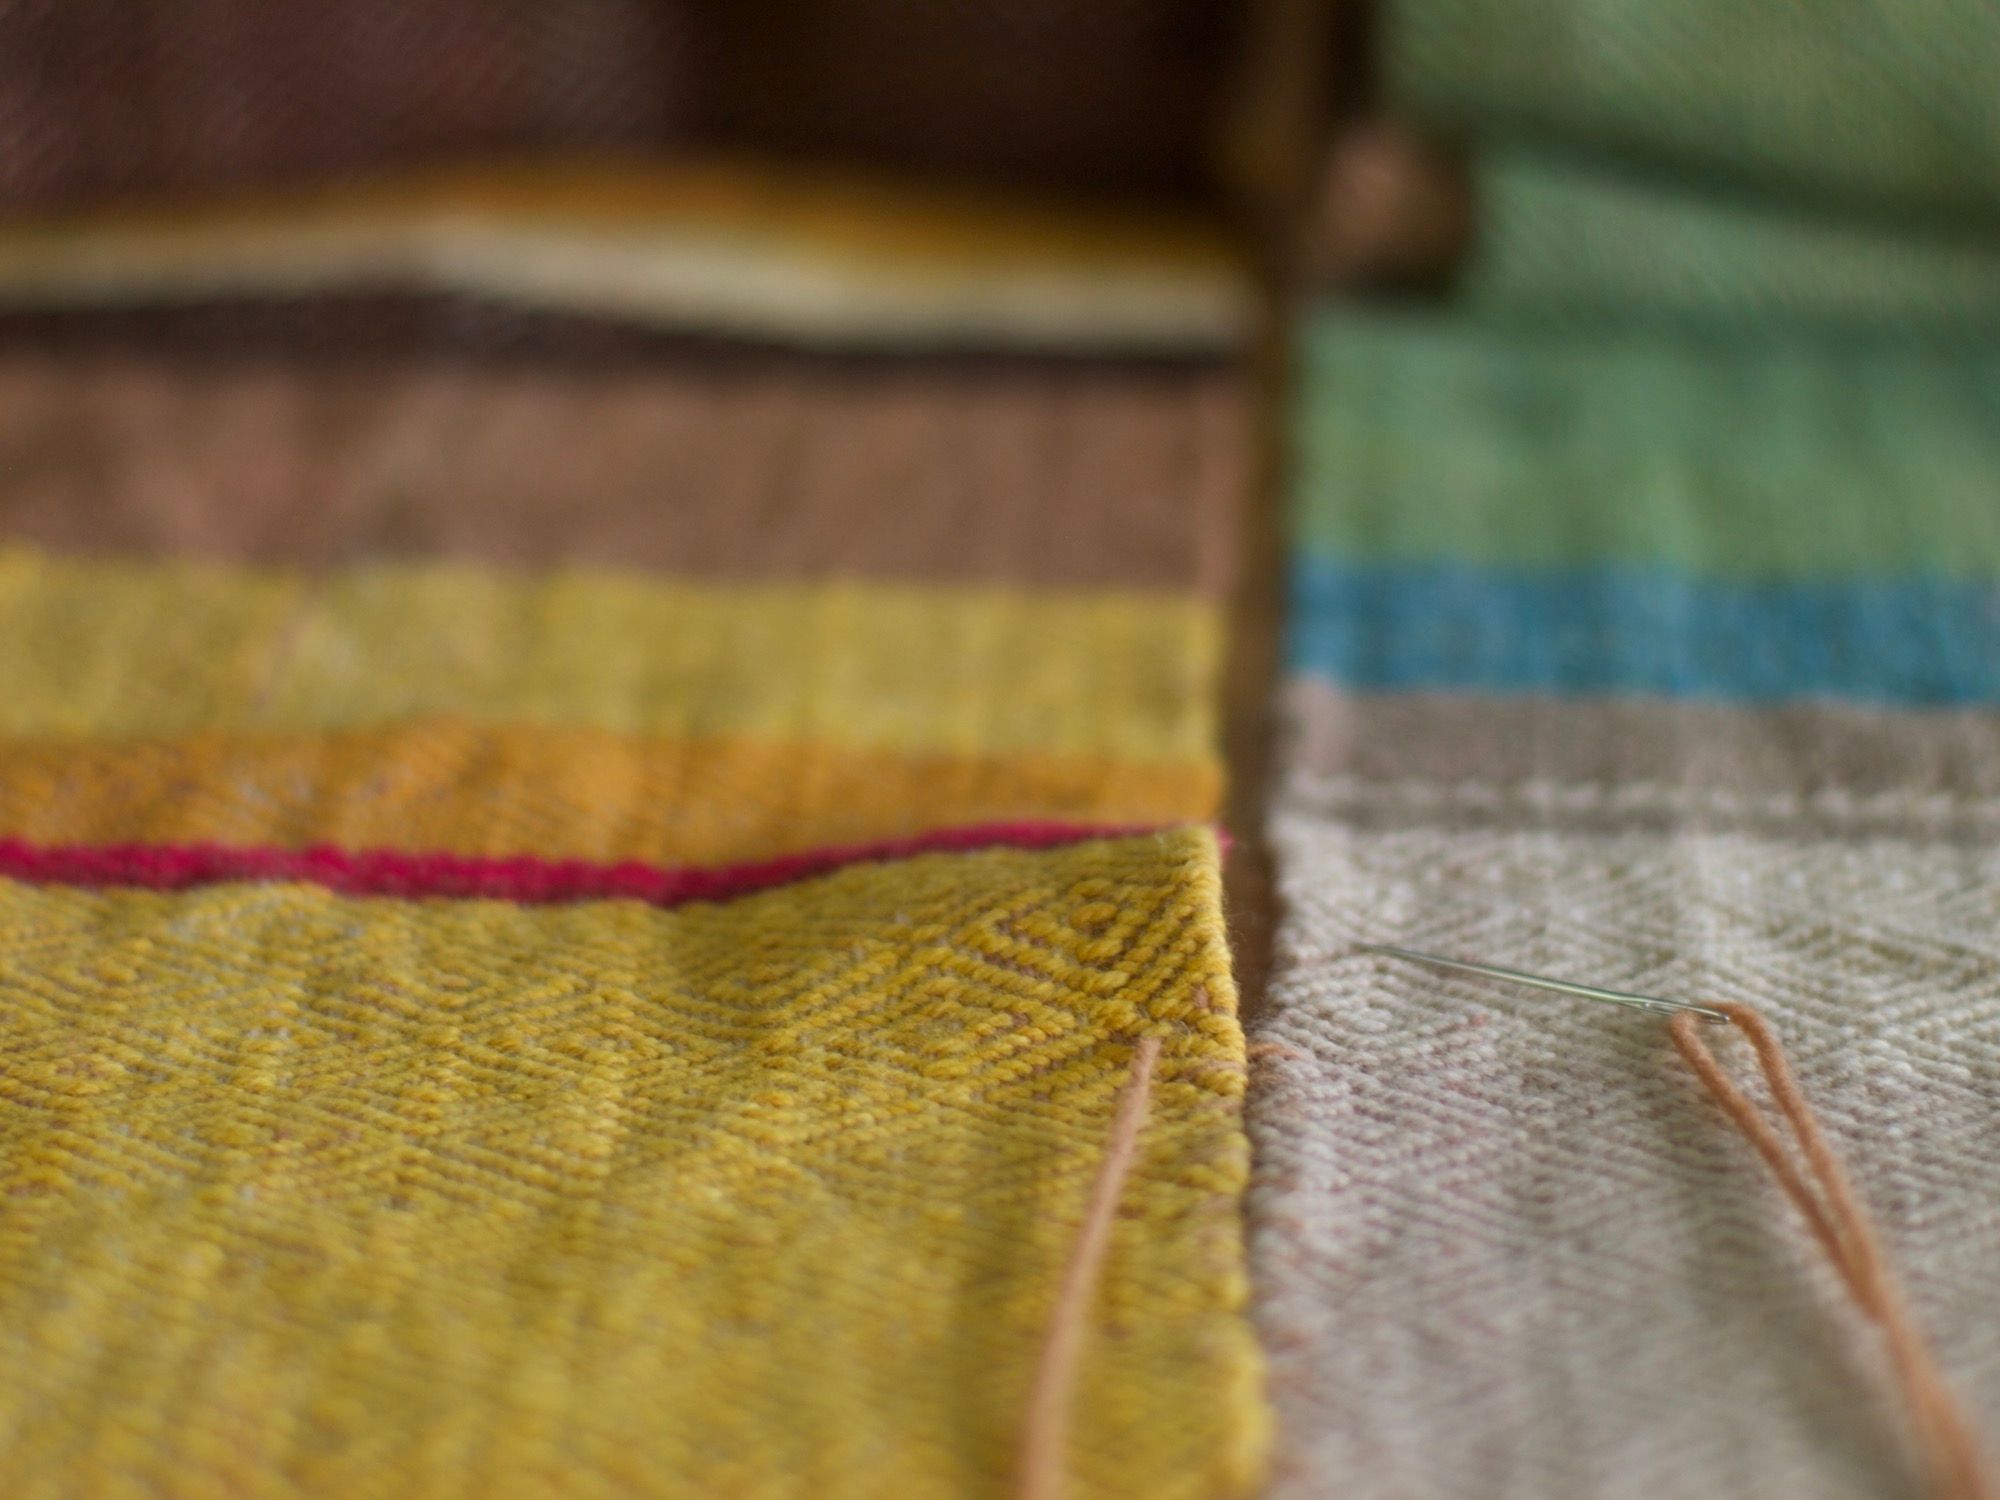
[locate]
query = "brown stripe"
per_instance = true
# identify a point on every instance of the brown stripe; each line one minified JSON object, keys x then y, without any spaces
{"x":378,"y":325}
{"x":752,"y":467}
{"x":100,"y":96}
{"x":1627,"y":745}
{"x":1110,"y":96}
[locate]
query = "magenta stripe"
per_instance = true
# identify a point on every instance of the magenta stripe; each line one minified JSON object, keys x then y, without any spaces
{"x":525,"y":878}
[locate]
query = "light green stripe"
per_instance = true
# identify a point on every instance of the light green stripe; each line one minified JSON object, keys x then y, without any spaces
{"x":1890,"y":103}
{"x":1419,"y":439}
{"x":1569,"y":242}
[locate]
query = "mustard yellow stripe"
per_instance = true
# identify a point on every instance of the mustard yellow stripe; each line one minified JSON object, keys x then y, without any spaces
{"x":310,"y":1194}
{"x":558,"y":792}
{"x":121,"y":649}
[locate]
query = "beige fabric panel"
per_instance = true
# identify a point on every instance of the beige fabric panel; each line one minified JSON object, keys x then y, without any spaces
{"x":1504,"y":1244}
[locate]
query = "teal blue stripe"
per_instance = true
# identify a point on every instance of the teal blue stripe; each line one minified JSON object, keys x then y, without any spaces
{"x":1642,"y":631}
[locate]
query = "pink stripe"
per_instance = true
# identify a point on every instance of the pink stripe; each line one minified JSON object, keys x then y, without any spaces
{"x":385,"y":872}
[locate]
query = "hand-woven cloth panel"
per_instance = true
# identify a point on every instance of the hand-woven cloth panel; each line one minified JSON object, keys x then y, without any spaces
{"x":1889,"y":105}
{"x":1662,"y":662}
{"x":352,"y":1196}
{"x":1505,"y":1246}
{"x":99,"y":97}
{"x":717,"y":466}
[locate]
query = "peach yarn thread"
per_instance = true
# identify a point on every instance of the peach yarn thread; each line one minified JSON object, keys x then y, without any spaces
{"x":1834,"y":1214}
{"x":1045,"y":1432}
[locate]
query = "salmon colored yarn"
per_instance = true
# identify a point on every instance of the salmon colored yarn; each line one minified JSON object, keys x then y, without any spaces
{"x":1832,"y":1211}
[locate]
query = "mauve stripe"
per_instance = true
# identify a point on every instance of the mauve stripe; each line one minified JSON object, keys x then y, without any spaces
{"x":749,"y":467}
{"x":1907,"y":756}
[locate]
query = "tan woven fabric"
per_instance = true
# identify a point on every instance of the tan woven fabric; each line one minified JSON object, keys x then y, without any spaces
{"x":1480,"y":758}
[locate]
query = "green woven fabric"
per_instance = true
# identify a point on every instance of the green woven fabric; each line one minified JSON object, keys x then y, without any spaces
{"x":1797,"y":457}
{"x":1889,"y":102}
{"x":1801,"y":162}
{"x":1563,"y":240}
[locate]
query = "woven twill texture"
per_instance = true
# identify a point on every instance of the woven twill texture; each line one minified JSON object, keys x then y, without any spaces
{"x":1505,"y":1247}
{"x":311,"y":1194}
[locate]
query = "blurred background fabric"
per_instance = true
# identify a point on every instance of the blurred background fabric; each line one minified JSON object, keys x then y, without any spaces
{"x":1124,"y":98}
{"x":1688,"y":161}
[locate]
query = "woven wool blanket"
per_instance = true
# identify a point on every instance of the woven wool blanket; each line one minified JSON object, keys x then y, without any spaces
{"x":1667,"y":665}
{"x":577,"y":923}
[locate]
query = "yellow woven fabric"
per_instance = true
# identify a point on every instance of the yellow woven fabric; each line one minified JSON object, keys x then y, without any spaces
{"x":559,"y":793}
{"x":113,"y":649}
{"x":307,"y":1194}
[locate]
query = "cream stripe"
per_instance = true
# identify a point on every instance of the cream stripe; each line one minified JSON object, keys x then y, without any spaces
{"x":785,"y":272}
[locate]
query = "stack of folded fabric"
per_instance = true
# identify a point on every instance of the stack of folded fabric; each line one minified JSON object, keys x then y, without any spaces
{"x":603,"y":771}
{"x":1645,"y":610}
{"x":1718,"y":164}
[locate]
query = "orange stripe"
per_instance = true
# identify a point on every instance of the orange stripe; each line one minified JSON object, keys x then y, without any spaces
{"x":555,"y":792}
